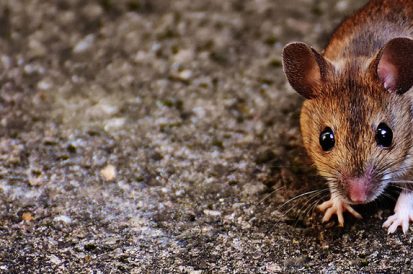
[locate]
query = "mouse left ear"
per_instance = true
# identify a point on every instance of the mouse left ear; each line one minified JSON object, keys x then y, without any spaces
{"x":306,"y":70}
{"x":394,"y":65}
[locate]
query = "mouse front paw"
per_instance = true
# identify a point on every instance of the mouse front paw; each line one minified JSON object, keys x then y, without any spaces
{"x":401,"y":219}
{"x":403,"y":213}
{"x":338,"y":207}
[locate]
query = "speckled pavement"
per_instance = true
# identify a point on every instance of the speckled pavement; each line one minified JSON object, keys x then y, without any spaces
{"x":158,"y":136}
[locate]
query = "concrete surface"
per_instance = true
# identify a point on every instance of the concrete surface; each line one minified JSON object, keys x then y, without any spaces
{"x":158,"y":136}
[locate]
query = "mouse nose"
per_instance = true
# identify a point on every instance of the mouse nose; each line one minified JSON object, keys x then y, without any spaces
{"x":357,"y":190}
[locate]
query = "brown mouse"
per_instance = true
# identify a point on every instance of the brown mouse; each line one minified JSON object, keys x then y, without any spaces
{"x":357,"y":121}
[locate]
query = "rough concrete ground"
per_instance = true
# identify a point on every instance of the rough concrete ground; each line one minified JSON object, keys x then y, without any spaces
{"x":158,"y":136}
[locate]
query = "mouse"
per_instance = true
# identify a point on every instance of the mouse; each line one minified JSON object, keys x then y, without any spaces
{"x":356,"y":120}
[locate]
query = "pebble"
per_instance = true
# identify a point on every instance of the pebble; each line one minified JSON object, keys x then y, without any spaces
{"x":84,"y":44}
{"x":108,"y":173}
{"x":115,"y":123}
{"x":253,"y":188}
{"x":63,"y":218}
{"x":44,"y":85}
{"x":213,"y":213}
{"x":185,"y":75}
{"x":184,"y":56}
{"x":54,"y":259}
{"x":342,"y":6}
{"x":27,"y":216}
{"x":273,"y":267}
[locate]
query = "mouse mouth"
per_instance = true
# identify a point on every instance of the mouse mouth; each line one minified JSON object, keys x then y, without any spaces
{"x":363,"y":191}
{"x":359,"y":186}
{"x":360,"y":189}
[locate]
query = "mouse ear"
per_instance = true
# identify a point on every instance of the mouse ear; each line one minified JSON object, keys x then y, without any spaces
{"x":305,"y":68}
{"x":395,"y":65}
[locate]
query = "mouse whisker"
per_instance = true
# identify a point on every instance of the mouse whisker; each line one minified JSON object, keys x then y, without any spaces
{"x":301,"y":195}
{"x":386,"y":167}
{"x":402,"y":181}
{"x":385,"y":172}
{"x":326,"y":164}
{"x":384,"y":194}
{"x":309,"y":205}
{"x":309,"y":200}
{"x":402,"y":188}
{"x":270,"y":194}
{"x":382,"y":157}
{"x":314,"y":204}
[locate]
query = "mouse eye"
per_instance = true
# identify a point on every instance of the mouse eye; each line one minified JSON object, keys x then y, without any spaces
{"x":327,"y":139}
{"x":384,"y":135}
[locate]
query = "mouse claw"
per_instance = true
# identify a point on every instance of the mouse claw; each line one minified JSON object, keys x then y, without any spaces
{"x":403,"y":214}
{"x":396,"y":220}
{"x":352,"y":211}
{"x":338,"y":207}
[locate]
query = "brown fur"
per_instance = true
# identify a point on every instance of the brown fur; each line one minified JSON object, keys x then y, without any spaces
{"x":352,"y":99}
{"x":354,"y":115}
{"x":366,"y":32}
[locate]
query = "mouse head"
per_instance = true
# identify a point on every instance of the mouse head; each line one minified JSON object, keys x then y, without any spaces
{"x":357,"y":121}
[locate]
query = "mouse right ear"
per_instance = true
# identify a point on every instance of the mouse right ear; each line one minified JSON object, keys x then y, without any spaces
{"x":395,"y":65}
{"x":305,"y":68}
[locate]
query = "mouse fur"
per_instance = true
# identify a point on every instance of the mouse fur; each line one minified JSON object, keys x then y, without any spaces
{"x":362,"y":79}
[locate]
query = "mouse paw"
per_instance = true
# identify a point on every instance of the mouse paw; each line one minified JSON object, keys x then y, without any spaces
{"x":401,"y":219}
{"x":338,"y":207}
{"x":403,"y":214}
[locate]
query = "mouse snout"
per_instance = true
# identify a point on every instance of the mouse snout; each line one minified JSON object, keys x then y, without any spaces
{"x":357,"y":190}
